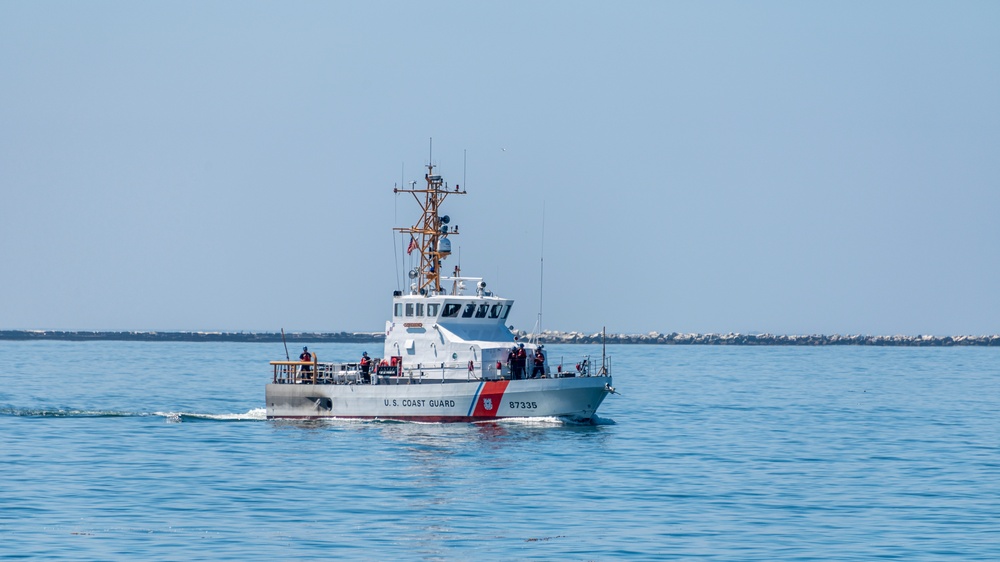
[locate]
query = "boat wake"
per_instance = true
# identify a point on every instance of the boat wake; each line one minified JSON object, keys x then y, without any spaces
{"x":68,"y":413}
{"x":256,"y":414}
{"x":541,"y":421}
{"x":549,"y":421}
{"x":260,"y":414}
{"x":598,"y":420}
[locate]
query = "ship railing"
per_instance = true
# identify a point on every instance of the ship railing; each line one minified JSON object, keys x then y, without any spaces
{"x":339,"y":373}
{"x":587,"y":368}
{"x":494,"y":370}
{"x":583,"y":368}
{"x":442,"y":371}
{"x":314,"y":372}
{"x":293,"y":372}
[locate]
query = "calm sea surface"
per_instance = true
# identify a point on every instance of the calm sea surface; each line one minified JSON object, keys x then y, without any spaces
{"x":116,"y":450}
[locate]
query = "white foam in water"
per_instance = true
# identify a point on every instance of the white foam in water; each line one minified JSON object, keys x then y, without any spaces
{"x":542,"y":421}
{"x":251,"y":415}
{"x":63,"y":413}
{"x":554,"y":420}
{"x":254,"y":414}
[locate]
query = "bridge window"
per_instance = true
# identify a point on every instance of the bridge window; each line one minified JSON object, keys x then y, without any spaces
{"x":451,"y":310}
{"x":432,"y":310}
{"x":409,"y":309}
{"x":495,"y":310}
{"x":420,"y":309}
{"x":481,"y":313}
{"x":506,"y":311}
{"x":398,"y":309}
{"x":469,"y":309}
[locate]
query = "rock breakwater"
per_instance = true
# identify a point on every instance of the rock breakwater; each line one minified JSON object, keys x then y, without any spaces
{"x":548,"y":336}
{"x":675,"y":338}
{"x":263,"y":337}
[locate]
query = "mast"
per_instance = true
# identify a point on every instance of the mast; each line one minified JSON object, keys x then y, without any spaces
{"x":429,"y":235}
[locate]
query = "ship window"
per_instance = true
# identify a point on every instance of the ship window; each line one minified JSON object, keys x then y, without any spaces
{"x":398,"y":309}
{"x":420,"y":309}
{"x":409,"y":309}
{"x":469,"y":309}
{"x":506,"y":311}
{"x":432,"y":309}
{"x":451,"y":310}
{"x":481,"y":313}
{"x":495,"y":310}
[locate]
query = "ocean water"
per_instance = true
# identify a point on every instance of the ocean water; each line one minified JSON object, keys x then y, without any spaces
{"x":123,"y":451}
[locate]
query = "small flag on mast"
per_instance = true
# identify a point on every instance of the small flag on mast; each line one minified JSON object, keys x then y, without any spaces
{"x":412,"y":246}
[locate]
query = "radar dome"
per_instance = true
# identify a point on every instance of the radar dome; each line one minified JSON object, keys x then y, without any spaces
{"x":444,"y":246}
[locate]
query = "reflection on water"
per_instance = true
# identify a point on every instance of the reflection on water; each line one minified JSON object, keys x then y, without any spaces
{"x":490,"y":435}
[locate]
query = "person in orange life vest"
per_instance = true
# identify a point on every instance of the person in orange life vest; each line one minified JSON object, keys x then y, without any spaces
{"x":522,"y":361}
{"x":307,"y":357}
{"x":366,"y":364}
{"x":539,"y":369}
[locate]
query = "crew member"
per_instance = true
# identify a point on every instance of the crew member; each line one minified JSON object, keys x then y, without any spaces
{"x":522,"y":361}
{"x":512,"y":362}
{"x":366,"y":364}
{"x":539,"y":370}
{"x":305,"y":357}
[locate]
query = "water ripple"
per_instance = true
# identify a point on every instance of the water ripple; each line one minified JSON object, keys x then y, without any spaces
{"x":723,"y":454}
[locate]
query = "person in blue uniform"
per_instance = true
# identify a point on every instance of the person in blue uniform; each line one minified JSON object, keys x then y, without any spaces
{"x":366,"y":364}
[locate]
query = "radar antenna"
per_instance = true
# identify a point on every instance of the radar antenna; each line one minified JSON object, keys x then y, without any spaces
{"x":430,"y":234}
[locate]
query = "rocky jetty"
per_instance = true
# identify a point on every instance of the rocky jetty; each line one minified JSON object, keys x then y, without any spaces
{"x":765,"y":339}
{"x":263,"y":337}
{"x":548,"y":336}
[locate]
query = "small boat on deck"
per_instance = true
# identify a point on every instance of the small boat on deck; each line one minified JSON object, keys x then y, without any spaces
{"x":448,"y":356}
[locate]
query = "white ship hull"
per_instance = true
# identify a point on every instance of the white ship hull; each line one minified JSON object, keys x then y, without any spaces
{"x":573,"y":398}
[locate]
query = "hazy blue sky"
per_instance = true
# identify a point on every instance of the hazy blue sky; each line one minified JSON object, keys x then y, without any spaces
{"x":790,"y":167}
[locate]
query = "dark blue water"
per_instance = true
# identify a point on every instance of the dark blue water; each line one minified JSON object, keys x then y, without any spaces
{"x":117,"y":450}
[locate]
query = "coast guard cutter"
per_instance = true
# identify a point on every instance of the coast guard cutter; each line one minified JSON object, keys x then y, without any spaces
{"x":445,"y":354}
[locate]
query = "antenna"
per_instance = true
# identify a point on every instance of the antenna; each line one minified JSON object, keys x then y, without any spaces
{"x":395,"y":221}
{"x":541,"y":279}
{"x":541,"y":271}
{"x":604,"y":350}
{"x":394,"y":257}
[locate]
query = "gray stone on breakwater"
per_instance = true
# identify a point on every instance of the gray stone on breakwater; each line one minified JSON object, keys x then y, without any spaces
{"x":547,"y":336}
{"x":765,"y":339}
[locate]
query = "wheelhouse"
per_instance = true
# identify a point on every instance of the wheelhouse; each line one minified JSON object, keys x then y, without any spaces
{"x":450,"y":309}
